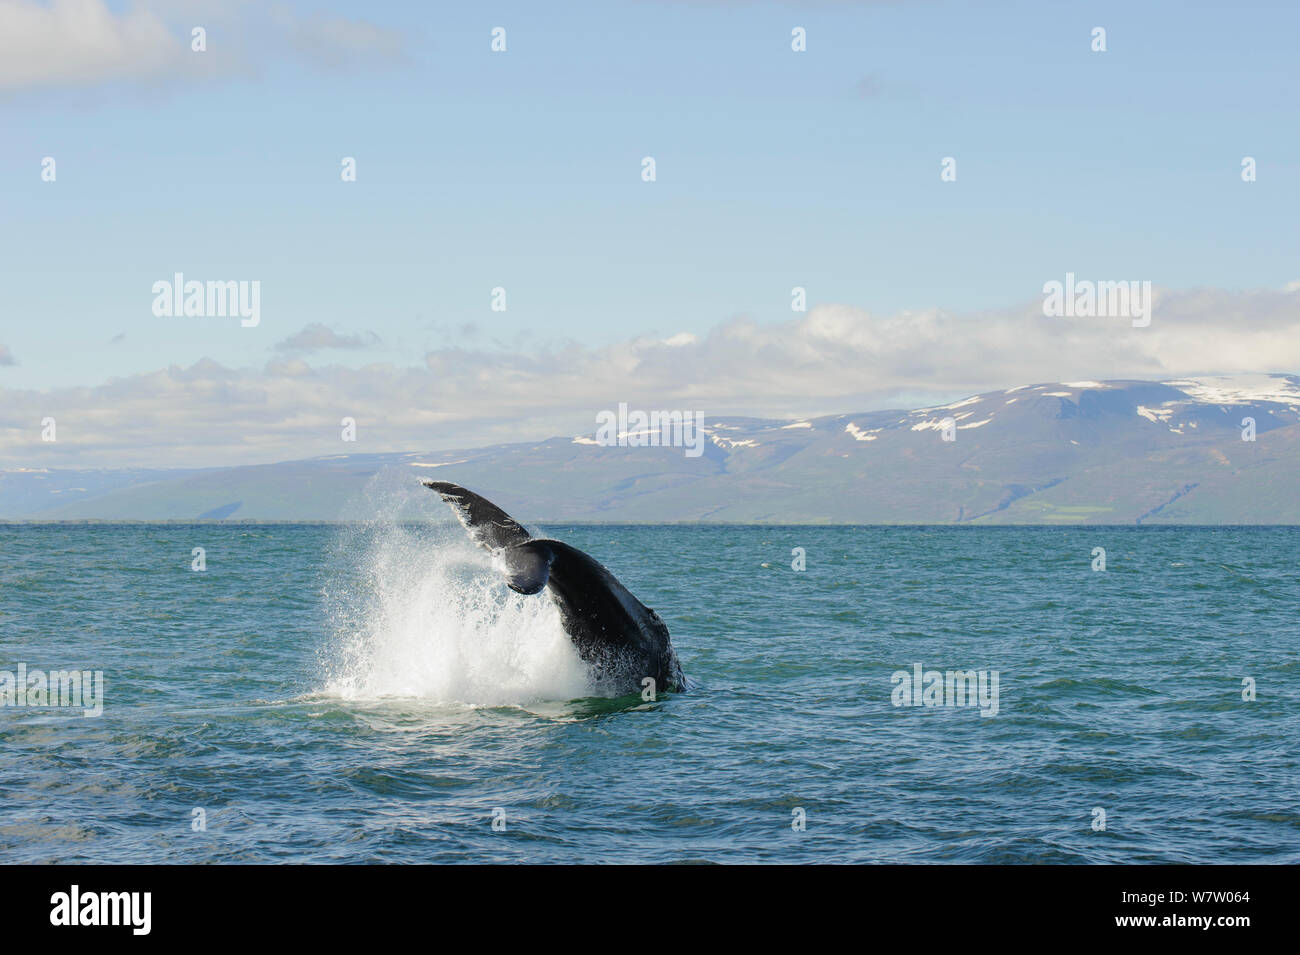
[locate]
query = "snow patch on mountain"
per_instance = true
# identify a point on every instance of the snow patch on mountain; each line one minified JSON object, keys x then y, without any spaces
{"x":1158,"y":415}
{"x":1240,"y":389}
{"x":728,"y":443}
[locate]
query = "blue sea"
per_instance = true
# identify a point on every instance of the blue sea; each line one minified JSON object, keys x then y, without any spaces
{"x":372,"y":693}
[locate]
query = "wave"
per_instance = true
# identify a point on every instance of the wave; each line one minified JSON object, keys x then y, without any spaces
{"x":415,"y":609}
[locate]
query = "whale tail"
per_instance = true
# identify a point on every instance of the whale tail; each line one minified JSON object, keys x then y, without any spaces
{"x":487,"y":524}
{"x":613,"y":631}
{"x":527,"y":561}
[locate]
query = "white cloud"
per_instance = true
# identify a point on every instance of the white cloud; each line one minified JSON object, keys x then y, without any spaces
{"x":336,"y":43}
{"x":316,"y":337}
{"x":84,"y":43}
{"x":75,"y":42}
{"x":837,"y":358}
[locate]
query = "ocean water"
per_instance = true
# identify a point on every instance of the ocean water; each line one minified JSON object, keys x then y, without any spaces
{"x":372,"y":693}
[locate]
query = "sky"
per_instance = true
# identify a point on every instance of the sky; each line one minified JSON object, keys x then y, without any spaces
{"x":522,"y":170}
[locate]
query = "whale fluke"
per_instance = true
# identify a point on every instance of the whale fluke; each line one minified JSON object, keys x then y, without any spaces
{"x":621,"y":639}
{"x":487,"y":524}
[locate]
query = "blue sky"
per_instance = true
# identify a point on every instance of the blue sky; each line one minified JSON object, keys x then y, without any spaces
{"x":522,"y":170}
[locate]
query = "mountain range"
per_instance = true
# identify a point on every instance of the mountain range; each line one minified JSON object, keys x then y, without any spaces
{"x":1112,"y":452}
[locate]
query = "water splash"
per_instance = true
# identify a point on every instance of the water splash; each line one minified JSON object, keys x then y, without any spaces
{"x":417,"y":610}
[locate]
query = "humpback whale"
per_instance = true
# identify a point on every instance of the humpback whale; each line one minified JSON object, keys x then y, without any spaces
{"x":621,"y":640}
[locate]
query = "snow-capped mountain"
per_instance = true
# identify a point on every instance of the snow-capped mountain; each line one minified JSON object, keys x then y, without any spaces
{"x":1201,"y":450}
